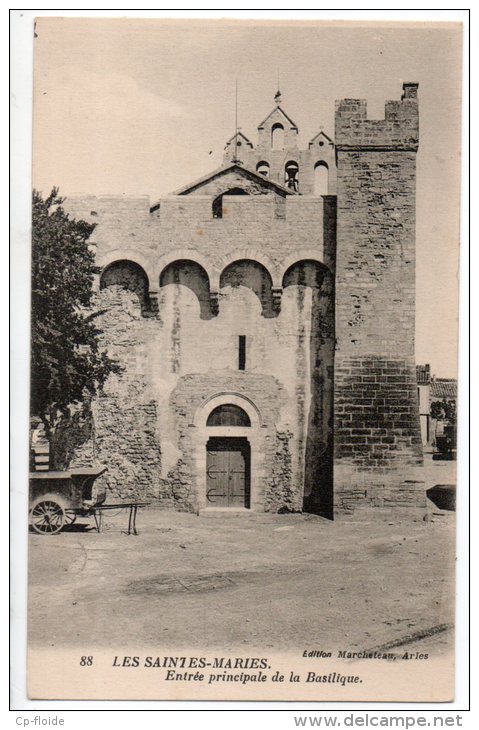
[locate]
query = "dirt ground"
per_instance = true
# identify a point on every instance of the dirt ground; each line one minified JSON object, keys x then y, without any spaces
{"x":269,"y":581}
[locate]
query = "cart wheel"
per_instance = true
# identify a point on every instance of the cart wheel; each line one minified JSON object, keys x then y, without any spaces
{"x":70,"y":517}
{"x":48,"y":515}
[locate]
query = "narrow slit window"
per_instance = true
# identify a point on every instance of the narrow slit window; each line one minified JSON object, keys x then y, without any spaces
{"x":242,"y":352}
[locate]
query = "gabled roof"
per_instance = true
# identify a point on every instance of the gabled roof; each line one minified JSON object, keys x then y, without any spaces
{"x":243,"y":136}
{"x":220,"y":171}
{"x":443,"y":388}
{"x":321,"y":134}
{"x":277,"y":109}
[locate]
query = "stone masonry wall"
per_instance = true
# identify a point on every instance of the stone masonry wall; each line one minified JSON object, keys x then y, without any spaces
{"x":124,"y":416}
{"x":173,"y":361}
{"x":375,"y":280}
{"x":271,"y":493}
{"x":164,"y":331}
{"x":261,"y":224}
{"x":378,"y":452}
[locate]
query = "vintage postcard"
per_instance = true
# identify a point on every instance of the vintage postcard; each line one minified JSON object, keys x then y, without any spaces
{"x":245,"y":242}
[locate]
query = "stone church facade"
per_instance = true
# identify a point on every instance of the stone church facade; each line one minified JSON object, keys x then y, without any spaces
{"x":264,"y":319}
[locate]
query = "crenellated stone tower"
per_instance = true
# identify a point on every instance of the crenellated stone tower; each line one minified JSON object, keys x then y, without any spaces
{"x":376,"y":424}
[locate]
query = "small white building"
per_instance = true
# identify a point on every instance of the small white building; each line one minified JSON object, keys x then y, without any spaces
{"x":431,"y":389}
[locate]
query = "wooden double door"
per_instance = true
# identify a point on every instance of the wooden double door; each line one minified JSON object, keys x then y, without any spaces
{"x":228,"y":472}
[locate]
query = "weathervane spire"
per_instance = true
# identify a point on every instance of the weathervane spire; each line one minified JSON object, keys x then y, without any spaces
{"x":235,"y":155}
{"x":277,"y":96}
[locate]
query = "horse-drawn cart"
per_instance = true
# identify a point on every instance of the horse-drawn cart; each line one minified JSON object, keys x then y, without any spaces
{"x":58,"y":497}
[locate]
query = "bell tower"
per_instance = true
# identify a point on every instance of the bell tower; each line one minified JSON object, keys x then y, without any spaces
{"x":277,"y":155}
{"x":277,"y":132}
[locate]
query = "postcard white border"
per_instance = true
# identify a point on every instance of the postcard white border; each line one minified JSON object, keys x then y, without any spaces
{"x":21,"y":81}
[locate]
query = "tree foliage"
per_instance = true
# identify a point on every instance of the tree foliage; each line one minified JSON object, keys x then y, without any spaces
{"x":68,"y":365}
{"x":443,"y":410}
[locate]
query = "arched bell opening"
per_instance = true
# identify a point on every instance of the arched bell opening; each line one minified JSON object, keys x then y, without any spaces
{"x":291,"y":175}
{"x":263,"y":168}
{"x":277,"y":136}
{"x":321,"y":178}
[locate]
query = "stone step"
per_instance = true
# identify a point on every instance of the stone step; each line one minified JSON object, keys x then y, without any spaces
{"x":41,"y":448}
{"x":42,"y":458}
{"x":229,"y":513}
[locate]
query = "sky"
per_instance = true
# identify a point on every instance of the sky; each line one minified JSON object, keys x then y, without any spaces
{"x":142,"y":107}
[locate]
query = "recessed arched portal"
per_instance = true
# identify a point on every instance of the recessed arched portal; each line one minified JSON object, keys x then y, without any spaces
{"x":229,"y":459}
{"x":228,"y":472}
